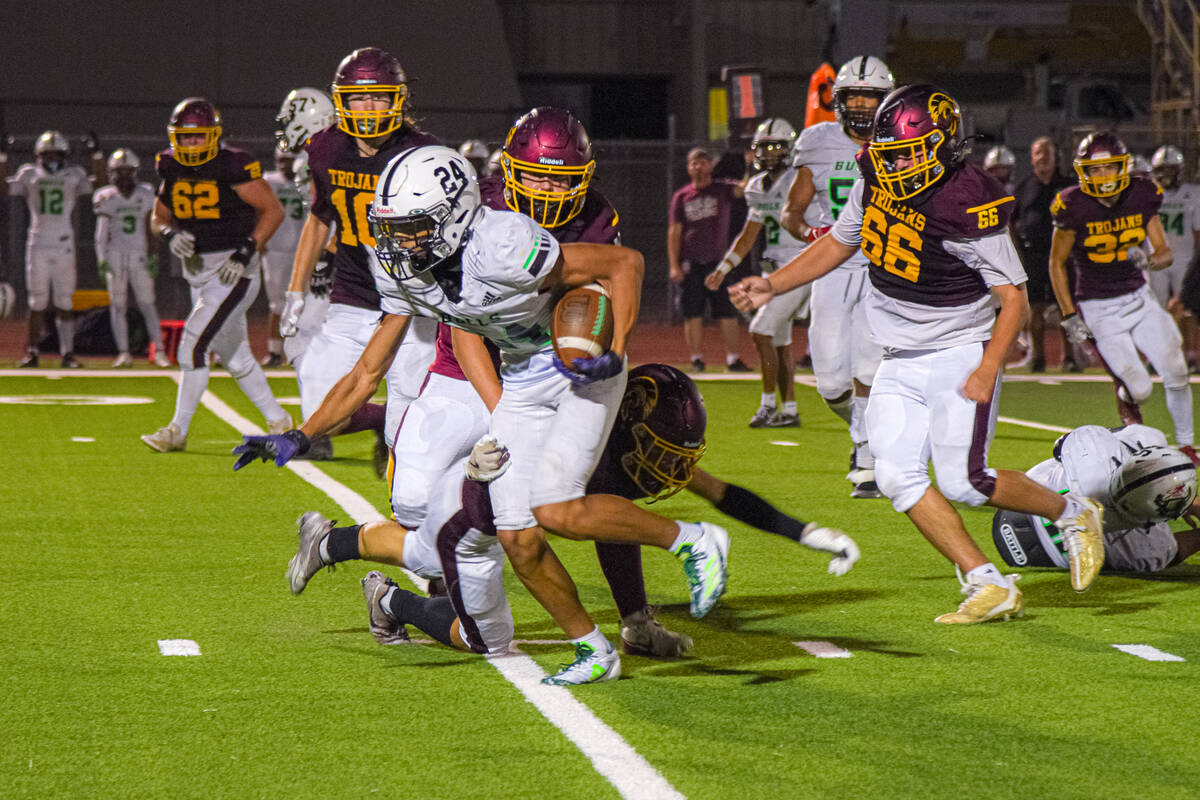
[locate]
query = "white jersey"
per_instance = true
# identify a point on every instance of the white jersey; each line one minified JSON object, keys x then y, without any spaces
{"x":504,"y":263}
{"x":287,"y":236}
{"x":51,"y":198}
{"x":127,"y":216}
{"x":829,"y":155}
{"x":765,"y":207}
{"x":1180,"y":215}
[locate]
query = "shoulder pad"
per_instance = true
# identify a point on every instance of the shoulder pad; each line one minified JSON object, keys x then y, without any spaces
{"x":510,"y":249}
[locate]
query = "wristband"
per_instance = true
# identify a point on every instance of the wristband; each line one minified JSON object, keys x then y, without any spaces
{"x":245,"y":251}
{"x":726,"y":266}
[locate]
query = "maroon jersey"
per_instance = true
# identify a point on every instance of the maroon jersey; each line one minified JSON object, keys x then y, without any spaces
{"x":343,"y":187}
{"x":596,"y":223}
{"x":203,"y":201}
{"x":904,"y":243}
{"x":705,"y":216}
{"x":1103,"y":236}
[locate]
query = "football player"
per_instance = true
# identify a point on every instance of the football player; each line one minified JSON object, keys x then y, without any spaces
{"x":771,"y":327}
{"x":477,"y":153}
{"x":652,"y":452}
{"x":999,"y":162}
{"x":845,"y":356}
{"x":934,"y":228}
{"x":51,"y":188}
{"x":1180,"y":215}
{"x":1100,"y":227}
{"x":216,"y":213}
{"x":497,"y":274}
{"x":1143,"y":485}
{"x":373,"y":124}
{"x":125,"y":252}
{"x":277,"y":262}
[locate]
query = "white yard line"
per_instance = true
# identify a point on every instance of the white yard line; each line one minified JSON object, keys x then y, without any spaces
{"x":611,"y":756}
{"x":1147,"y":652}
{"x":824,"y":649}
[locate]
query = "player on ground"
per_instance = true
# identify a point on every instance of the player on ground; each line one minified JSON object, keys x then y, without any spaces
{"x":216,"y":213}
{"x":934,"y":229}
{"x":1099,"y":228}
{"x":771,"y":327}
{"x":652,"y":452}
{"x":125,"y":252}
{"x":497,"y":274}
{"x":51,"y":188}
{"x":370,"y":95}
{"x":1143,"y":485}
{"x":1180,"y":215}
{"x":277,"y":261}
{"x":845,"y":355}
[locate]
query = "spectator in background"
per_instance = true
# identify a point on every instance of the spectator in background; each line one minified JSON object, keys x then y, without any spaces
{"x":1034,"y":228}
{"x":698,"y":233}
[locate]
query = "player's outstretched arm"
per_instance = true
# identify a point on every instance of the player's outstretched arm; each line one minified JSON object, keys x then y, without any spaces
{"x":821,"y":258}
{"x":737,"y":251}
{"x":619,"y":269}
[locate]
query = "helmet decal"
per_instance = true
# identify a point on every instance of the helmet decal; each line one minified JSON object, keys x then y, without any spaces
{"x":943,"y":107}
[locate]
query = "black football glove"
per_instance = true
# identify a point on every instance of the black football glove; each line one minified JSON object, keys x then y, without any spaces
{"x":590,"y":370}
{"x":321,"y":281}
{"x":282,"y":447}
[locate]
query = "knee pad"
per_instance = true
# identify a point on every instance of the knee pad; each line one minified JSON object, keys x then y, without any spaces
{"x":903,"y":488}
{"x":960,"y":489}
{"x":240,"y":364}
{"x":841,"y":394}
{"x":410,"y":497}
{"x":1139,"y":387}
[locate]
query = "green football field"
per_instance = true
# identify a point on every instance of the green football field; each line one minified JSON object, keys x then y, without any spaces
{"x":111,"y":549}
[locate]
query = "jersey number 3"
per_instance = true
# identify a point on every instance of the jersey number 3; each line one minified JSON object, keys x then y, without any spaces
{"x":893,"y":247}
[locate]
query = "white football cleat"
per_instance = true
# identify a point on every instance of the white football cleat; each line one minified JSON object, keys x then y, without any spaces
{"x":167,"y":440}
{"x":123,"y":360}
{"x":160,"y":359}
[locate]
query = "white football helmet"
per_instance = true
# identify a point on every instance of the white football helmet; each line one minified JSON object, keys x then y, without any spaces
{"x":1155,"y":484}
{"x":773,"y":140}
{"x":51,"y":150}
{"x":1167,"y":163}
{"x":426,"y":201}
{"x":999,"y":156}
{"x":1140,"y":167}
{"x":860,"y":75}
{"x":302,"y":177}
{"x":122,"y":158}
{"x":304,"y":112}
{"x":494,"y":167}
{"x":474,"y":149}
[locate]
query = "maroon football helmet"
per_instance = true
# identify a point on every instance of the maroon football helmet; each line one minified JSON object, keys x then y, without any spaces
{"x":195,"y":116}
{"x":917,"y":139}
{"x":550,"y":147}
{"x":1103,"y":164}
{"x":370,"y":71}
{"x":659,"y":430}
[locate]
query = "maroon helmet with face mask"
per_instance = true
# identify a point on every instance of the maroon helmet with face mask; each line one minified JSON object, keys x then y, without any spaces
{"x":375,"y":72}
{"x":921,"y":126}
{"x":547,"y":144}
{"x":195,"y":116}
{"x":1097,"y":151}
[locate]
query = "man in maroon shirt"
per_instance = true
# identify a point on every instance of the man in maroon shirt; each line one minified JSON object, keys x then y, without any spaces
{"x":697,"y":237}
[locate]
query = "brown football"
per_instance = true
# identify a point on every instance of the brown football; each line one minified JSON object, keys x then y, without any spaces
{"x":582,"y":326}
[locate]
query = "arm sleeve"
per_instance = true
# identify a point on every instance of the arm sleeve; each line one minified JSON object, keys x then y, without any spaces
{"x":848,"y":228}
{"x":16,"y":184}
{"x":993,"y":257}
{"x":102,"y":223}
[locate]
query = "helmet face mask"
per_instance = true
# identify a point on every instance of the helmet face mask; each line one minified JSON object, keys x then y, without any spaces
{"x":772,"y":144}
{"x":369,"y":74}
{"x":122,"y":169}
{"x":304,"y":111}
{"x":547,"y":165}
{"x":915,"y":141}
{"x":1103,"y":165}
{"x":860,"y":86}
{"x":51,"y":151}
{"x":194,"y":131}
{"x":1155,"y":484}
{"x":1167,"y":166}
{"x":662,"y":420}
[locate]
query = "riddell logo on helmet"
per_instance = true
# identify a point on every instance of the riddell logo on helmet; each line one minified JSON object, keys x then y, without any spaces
{"x":1014,"y":547}
{"x":555,"y":161}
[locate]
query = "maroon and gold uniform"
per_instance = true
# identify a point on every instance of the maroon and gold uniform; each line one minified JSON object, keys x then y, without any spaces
{"x":203,"y":201}
{"x":1103,"y":236}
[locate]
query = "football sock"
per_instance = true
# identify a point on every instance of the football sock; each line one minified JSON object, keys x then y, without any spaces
{"x":989,"y":573}
{"x":1073,"y":509}
{"x":858,"y":423}
{"x":433,"y":615}
{"x":340,"y":544}
{"x":120,"y":328}
{"x":153,"y":326}
{"x":275,"y":346}
{"x":597,"y":640}
{"x":768,"y":400}
{"x":368,"y":417}
{"x":842,"y":405}
{"x":66,"y":334}
{"x":745,"y":506}
{"x":1179,"y":405}
{"x":790,"y":408}
{"x":622,"y":567}
{"x":254,"y":385}
{"x":192,"y":383}
{"x":863,"y":459}
{"x":689,"y":533}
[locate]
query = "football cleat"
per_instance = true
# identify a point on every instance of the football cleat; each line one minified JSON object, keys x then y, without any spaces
{"x":385,"y":629}
{"x":280,"y":425}
{"x":781,"y":419}
{"x":272,"y":360}
{"x":70,"y":362}
{"x":986,"y":601}
{"x":737,"y":366}
{"x":307,"y":561}
{"x":160,"y":359}
{"x":589,"y":666}
{"x":167,"y":440}
{"x":706,"y":567}
{"x":30,"y":359}
{"x":762,"y":417}
{"x":123,"y":360}
{"x":643,"y":635}
{"x":1084,"y":538}
{"x":864,"y":484}
{"x":1130,"y":413}
{"x":697,"y":365}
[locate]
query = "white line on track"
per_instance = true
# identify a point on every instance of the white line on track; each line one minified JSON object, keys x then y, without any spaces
{"x":611,"y":756}
{"x":1147,"y":652}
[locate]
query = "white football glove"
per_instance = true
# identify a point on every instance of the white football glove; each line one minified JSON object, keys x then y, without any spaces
{"x":289,"y":318}
{"x":831,"y":540}
{"x":1077,"y":330}
{"x":1138,"y":257}
{"x":182,"y":244}
{"x":489,"y":460}
{"x":230,"y":271}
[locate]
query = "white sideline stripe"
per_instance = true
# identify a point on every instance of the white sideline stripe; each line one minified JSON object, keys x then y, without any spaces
{"x":83,"y":438}
{"x":782,"y":443}
{"x":178,"y":647}
{"x":610,"y":754}
{"x":1147,"y":652}
{"x":824,"y":649}
{"x":1041,"y":426}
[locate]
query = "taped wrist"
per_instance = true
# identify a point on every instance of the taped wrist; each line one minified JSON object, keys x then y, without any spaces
{"x":726,"y":266}
{"x":244,"y":251}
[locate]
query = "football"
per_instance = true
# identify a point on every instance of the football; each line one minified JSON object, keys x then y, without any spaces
{"x":582,"y":326}
{"x":8,"y":300}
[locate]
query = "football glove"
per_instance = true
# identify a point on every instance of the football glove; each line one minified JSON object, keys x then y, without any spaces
{"x":322,"y":278}
{"x":1077,"y":330}
{"x":812,"y":234}
{"x":181,"y":243}
{"x":282,"y":447}
{"x":104,"y":269}
{"x":489,"y":460}
{"x":234,"y":267}
{"x":289,"y":317}
{"x":1138,"y":257}
{"x":590,"y":370}
{"x":831,"y":540}
{"x":152,"y":265}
